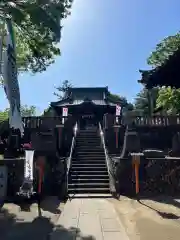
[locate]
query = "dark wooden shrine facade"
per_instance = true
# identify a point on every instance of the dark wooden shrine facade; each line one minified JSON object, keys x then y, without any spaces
{"x":85,"y":103}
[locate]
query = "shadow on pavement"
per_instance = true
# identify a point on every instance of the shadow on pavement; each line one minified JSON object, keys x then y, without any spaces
{"x":69,"y":234}
{"x":51,"y":205}
{"x":13,"y":228}
{"x":162,"y":214}
{"x":166,"y":199}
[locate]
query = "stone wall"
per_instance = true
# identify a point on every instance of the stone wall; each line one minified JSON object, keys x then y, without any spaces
{"x":157,"y":176}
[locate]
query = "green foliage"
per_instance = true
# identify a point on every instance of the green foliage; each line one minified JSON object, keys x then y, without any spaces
{"x":62,"y":90}
{"x":142,"y":101}
{"x":25,"y":112}
{"x":120,"y":100}
{"x":37,"y":27}
{"x":28,"y":111}
{"x":47,"y":112}
{"x":4,"y":115}
{"x":163,"y":50}
{"x":169,"y":100}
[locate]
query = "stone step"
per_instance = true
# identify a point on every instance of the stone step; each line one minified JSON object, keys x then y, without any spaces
{"x":88,"y":145}
{"x":89,"y":176}
{"x":84,"y":147}
{"x":88,"y":185}
{"x":88,"y":173}
{"x":88,"y":138}
{"x":87,"y":148}
{"x":90,"y":168}
{"x":93,"y":162}
{"x":90,"y":195}
{"x":88,"y":134}
{"x":87,"y":141}
{"x":89,"y":180}
{"x":87,"y":158}
{"x":89,"y":190}
{"x":92,"y":153}
{"x":88,"y":164}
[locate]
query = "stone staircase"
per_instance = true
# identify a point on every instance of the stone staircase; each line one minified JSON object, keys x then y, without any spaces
{"x":88,"y":173}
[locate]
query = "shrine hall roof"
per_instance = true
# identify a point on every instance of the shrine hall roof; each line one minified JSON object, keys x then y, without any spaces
{"x":78,"y":96}
{"x":67,"y":102}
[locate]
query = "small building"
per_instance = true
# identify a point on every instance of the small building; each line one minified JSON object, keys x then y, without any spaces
{"x":87,"y":105}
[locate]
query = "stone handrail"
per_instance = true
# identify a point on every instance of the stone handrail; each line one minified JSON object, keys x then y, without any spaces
{"x":72,"y":148}
{"x":108,"y":163}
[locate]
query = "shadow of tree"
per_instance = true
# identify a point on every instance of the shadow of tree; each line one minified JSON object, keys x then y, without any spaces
{"x":166,"y":199}
{"x":51,"y":205}
{"x":162,"y":214}
{"x":69,"y":234}
{"x":14,"y":228}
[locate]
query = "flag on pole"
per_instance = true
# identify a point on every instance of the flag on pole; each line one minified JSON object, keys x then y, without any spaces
{"x":10,"y":77}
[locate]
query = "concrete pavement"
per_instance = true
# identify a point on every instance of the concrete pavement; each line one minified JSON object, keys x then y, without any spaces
{"x":89,"y":219}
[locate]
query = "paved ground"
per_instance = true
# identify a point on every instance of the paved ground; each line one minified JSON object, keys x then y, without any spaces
{"x":157,"y":218}
{"x":29,"y":223}
{"x":93,"y":219}
{"x":89,"y":219}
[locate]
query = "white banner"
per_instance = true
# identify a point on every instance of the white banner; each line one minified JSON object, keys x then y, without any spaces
{"x":10,"y":77}
{"x":65,"y":112}
{"x":118,"y":110}
{"x":28,"y":168}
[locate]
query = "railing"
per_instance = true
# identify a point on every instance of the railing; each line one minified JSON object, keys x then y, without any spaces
{"x":38,"y":122}
{"x":69,"y":159}
{"x":152,"y":121}
{"x":108,"y":163}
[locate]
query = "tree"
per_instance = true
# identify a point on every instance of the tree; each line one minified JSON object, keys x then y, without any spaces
{"x":142,"y":101}
{"x":169,"y":100}
{"x":163,"y":50}
{"x":37,"y":24}
{"x":26,"y":111}
{"x":120,"y":100}
{"x":62,"y":90}
{"x":4,"y":115}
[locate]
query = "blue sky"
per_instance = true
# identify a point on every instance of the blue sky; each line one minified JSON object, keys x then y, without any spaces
{"x":104,"y":43}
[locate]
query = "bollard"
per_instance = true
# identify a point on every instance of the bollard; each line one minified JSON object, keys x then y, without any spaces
{"x":136,"y":163}
{"x":40,"y":166}
{"x":117,"y":140}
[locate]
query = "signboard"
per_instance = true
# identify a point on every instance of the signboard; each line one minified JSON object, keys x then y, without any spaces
{"x":65,"y":112}
{"x":28,"y":171}
{"x":3,"y":182}
{"x":118,"y":110}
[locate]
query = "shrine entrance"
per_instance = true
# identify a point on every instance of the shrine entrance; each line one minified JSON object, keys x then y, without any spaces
{"x":88,"y":121}
{"x":88,"y":115}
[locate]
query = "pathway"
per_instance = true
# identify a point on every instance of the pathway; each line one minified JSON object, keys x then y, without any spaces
{"x":89,"y":219}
